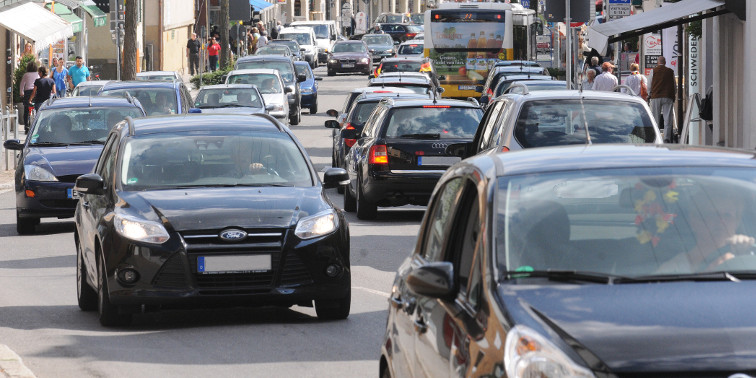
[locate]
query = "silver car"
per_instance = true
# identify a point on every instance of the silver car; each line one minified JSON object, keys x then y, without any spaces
{"x":158,"y":76}
{"x":230,"y":99}
{"x":271,"y":86}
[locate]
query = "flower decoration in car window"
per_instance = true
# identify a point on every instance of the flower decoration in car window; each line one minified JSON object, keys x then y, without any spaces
{"x":653,"y":212}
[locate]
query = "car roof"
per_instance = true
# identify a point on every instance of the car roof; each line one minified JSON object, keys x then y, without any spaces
{"x":570,"y":94}
{"x":150,"y":73}
{"x":506,"y":63}
{"x":409,"y":103}
{"x":139,"y":84}
{"x":373,"y":96}
{"x":250,"y":58}
{"x":617,"y":156}
{"x":254,"y":71}
{"x":200,"y":122}
{"x":294,"y":29}
{"x":88,"y":101}
{"x":352,"y":41}
{"x":386,"y":89}
{"x":228,"y":86}
{"x":403,"y":79}
{"x":419,"y":59}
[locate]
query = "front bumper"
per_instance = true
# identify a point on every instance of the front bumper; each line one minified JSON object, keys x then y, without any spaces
{"x":308,"y":100}
{"x":169,"y":273}
{"x":51,"y":200}
{"x":280,"y":114}
{"x":358,"y":67}
{"x":398,"y":188}
{"x":377,"y":57}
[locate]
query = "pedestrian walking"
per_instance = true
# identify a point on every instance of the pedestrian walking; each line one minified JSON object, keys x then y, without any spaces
{"x":606,"y":81}
{"x":637,"y":82}
{"x":594,"y":65}
{"x":59,"y":75}
{"x":213,"y":49}
{"x":590,"y":79}
{"x":253,"y":36}
{"x":44,"y":88}
{"x":26,"y":88}
{"x":53,"y":65}
{"x":275,"y":30}
{"x":663,"y":97}
{"x":192,"y":52}
{"x":263,"y":40}
{"x":78,"y":73}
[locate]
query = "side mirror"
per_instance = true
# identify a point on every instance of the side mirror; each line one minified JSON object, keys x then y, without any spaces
{"x":13,"y":144}
{"x":288,"y":90}
{"x":195,"y":110}
{"x":331,"y":124}
{"x":302,"y":49}
{"x":318,"y":78}
{"x":90,"y":183}
{"x":479,"y":88}
{"x":332,"y":113}
{"x":459,"y":149}
{"x":440,"y":90}
{"x":334,"y":177}
{"x":270,"y":107}
{"x":432,"y":280}
{"x":301,"y":77}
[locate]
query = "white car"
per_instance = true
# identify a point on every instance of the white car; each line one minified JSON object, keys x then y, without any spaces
{"x":326,"y":34}
{"x":270,"y":85}
{"x":305,"y":36}
{"x":412,"y":47}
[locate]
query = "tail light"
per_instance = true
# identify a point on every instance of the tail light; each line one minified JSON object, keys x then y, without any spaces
{"x":350,"y":142}
{"x":411,"y":35}
{"x":378,"y":155}
{"x":349,"y":127}
{"x":505,"y":149}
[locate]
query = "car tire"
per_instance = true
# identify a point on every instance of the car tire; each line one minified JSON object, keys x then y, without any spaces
{"x":296,"y":117}
{"x":331,"y":73}
{"x":314,"y":108}
{"x":85,"y":294}
{"x":350,"y":203}
{"x":108,"y":313}
{"x":366,"y":210}
{"x":25,"y":226}
{"x":334,"y":309}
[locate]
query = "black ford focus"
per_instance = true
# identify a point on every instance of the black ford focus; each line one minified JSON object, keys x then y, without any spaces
{"x":177,"y":215}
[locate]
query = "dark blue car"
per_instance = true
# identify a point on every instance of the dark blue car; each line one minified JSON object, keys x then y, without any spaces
{"x":309,"y":87}
{"x":156,"y":97}
{"x":64,"y":142}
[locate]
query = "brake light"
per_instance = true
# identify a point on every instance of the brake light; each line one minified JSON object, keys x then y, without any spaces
{"x":411,"y":35}
{"x":505,"y":149}
{"x":378,"y":155}
{"x":383,"y":92}
{"x":436,"y":106}
{"x":437,"y":16}
{"x":498,"y":17}
{"x":30,"y":193}
{"x":349,"y":127}
{"x":350,"y":142}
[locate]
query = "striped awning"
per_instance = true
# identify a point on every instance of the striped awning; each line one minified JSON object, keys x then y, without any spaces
{"x":98,"y":16}
{"x":68,"y":15}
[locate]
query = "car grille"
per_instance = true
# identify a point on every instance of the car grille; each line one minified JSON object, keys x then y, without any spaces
{"x":295,"y":272}
{"x":60,"y":204}
{"x":348,"y":61}
{"x":68,"y":178}
{"x":172,"y":274}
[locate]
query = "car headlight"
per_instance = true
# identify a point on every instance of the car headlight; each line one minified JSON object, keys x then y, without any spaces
{"x":334,"y":61}
{"x":528,"y":354}
{"x":277,"y":108}
{"x":320,"y":224}
{"x":139,"y":229}
{"x":389,"y":51}
{"x":306,"y":90}
{"x":364,"y":60}
{"x":37,"y":173}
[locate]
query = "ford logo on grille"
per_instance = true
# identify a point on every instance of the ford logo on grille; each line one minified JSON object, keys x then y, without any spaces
{"x":440,"y":145}
{"x":232,"y":234}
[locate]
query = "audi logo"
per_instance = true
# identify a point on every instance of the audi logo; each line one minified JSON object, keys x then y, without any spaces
{"x":232,"y":234}
{"x":440,"y":145}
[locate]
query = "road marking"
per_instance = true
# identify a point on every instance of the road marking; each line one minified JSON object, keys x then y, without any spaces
{"x":11,"y":365}
{"x":372,"y":291}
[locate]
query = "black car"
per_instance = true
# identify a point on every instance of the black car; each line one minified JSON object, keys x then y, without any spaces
{"x":349,"y":56}
{"x":293,"y":46}
{"x":178,"y":215}
{"x":363,"y":107}
{"x":65,"y":141}
{"x":288,"y":73}
{"x":156,"y":97}
{"x":401,"y":152}
{"x":582,"y":261}
{"x":400,"y":32}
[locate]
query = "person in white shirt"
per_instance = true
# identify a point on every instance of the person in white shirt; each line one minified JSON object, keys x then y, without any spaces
{"x":263,"y":40}
{"x":590,"y":79}
{"x":636,"y":81}
{"x":606,"y":81}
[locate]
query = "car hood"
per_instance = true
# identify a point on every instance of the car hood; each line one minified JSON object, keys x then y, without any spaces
{"x":65,"y":161}
{"x":234,"y":110}
{"x":216,"y":208}
{"x":347,"y":55}
{"x":380,"y":47}
{"x":273,"y":98}
{"x":660,"y":327}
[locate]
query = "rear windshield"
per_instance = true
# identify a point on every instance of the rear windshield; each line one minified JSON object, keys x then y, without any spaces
{"x":88,"y":90}
{"x":378,"y":39}
{"x":303,"y":69}
{"x":155,"y":101}
{"x":292,"y":45}
{"x":550,"y":123}
{"x":417,"y":88}
{"x":266,"y":83}
{"x":156,"y":77}
{"x":78,"y":125}
{"x":361,"y":112}
{"x":284,"y":69}
{"x":503,"y":85}
{"x":401,"y":66}
{"x":301,"y":38}
{"x":433,"y":122}
{"x":348,"y":47}
{"x":273,"y":50}
{"x":228,"y":98}
{"x":411,"y":49}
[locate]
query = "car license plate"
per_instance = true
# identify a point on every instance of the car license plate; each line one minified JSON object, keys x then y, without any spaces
{"x":466,"y":87}
{"x":438,"y":160}
{"x":71,"y":194}
{"x":347,"y":65}
{"x":233,"y":264}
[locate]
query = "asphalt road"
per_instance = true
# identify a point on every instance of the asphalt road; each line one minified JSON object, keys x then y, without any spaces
{"x":40,"y":321}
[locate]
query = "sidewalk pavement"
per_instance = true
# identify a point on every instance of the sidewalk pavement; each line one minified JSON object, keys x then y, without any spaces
{"x":6,"y":179}
{"x":11,"y":365}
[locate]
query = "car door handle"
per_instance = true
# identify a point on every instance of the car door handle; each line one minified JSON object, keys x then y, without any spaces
{"x":420,"y":326}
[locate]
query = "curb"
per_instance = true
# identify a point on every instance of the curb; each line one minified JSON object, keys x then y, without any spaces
{"x":11,"y":365}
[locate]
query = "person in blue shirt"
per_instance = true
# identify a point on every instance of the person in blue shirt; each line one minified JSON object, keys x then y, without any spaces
{"x":78,"y":73}
{"x":59,"y":74}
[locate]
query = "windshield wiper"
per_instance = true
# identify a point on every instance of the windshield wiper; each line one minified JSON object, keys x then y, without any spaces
{"x":50,"y":144}
{"x":421,"y":136}
{"x":89,"y":142}
{"x":700,"y":276}
{"x":565,"y":275}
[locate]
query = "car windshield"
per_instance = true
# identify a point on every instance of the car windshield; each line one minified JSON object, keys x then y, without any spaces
{"x":545,"y":123}
{"x":155,"y":101}
{"x":303,"y":69}
{"x":439,"y":121}
{"x":165,"y":161}
{"x":285,"y":69}
{"x":416,"y":88}
{"x":378,"y":39}
{"x":321,"y":31}
{"x":273,"y":50}
{"x":292,"y":45}
{"x":301,"y":38}
{"x":266,"y":83}
{"x":408,"y":66}
{"x":411,"y":49}
{"x":156,"y":77}
{"x":627,"y":222}
{"x":555,"y":86}
{"x":349,"y":47}
{"x":503,"y":85}
{"x":394,"y":19}
{"x":227,"y":98}
{"x":418,"y":18}
{"x":87,"y":90}
{"x":361,"y":112}
{"x":78,"y":125}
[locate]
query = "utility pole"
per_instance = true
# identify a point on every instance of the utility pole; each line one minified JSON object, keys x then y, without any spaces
{"x":225,"y":53}
{"x":568,"y":45}
{"x":130,"y":40}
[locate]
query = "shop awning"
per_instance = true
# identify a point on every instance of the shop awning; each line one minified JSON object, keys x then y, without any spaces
{"x":68,"y":15}
{"x":98,"y":16}
{"x":259,"y":5}
{"x":672,"y":14}
{"x":35,"y":23}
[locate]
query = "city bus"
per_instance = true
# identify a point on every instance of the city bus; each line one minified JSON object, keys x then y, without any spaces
{"x":466,"y":39}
